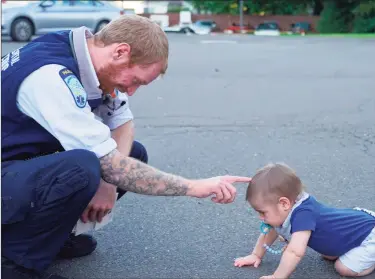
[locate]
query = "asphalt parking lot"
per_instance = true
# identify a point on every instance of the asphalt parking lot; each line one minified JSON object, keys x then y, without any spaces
{"x":228,"y":105}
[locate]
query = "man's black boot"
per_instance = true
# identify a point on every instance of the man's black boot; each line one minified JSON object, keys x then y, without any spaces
{"x":77,"y":246}
{"x":9,"y":270}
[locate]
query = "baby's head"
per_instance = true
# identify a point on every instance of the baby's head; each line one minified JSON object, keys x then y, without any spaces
{"x":273,"y":191}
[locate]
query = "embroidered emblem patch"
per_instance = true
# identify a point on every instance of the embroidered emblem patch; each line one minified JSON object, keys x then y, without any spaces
{"x":78,"y":92}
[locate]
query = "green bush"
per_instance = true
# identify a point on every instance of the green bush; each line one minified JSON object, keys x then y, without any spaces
{"x":176,"y":9}
{"x":364,"y":21}
{"x":335,"y":18}
{"x":364,"y":25}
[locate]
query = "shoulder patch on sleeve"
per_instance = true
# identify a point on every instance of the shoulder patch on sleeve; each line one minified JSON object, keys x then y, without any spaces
{"x":78,"y":92}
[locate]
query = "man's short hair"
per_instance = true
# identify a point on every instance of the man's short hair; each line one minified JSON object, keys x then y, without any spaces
{"x":148,"y":42}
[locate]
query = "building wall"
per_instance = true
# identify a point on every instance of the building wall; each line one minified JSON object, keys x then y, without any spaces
{"x":151,"y":6}
{"x":224,"y":20}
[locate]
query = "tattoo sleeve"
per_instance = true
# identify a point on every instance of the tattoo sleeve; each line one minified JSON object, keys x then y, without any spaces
{"x":132,"y":175}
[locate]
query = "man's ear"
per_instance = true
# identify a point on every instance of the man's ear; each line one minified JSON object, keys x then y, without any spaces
{"x":122,"y":53}
{"x":285,"y":203}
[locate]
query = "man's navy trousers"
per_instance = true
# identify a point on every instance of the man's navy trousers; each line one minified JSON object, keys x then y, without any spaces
{"x":42,"y":200}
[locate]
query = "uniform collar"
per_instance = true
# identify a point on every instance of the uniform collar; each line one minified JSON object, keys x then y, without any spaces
{"x":87,"y":72}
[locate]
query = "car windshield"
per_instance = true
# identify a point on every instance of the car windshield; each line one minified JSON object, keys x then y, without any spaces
{"x":301,"y":24}
{"x":205,"y":23}
{"x":73,"y":2}
{"x":267,"y":26}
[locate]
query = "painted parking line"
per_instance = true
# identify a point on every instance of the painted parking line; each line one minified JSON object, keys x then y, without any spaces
{"x":218,"y":42}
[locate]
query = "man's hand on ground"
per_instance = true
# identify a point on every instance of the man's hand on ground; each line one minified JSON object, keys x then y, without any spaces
{"x":101,"y":204}
{"x":221,"y":187}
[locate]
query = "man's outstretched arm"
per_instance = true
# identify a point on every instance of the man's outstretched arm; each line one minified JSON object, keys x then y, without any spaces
{"x":132,"y":175}
{"x":59,"y":117}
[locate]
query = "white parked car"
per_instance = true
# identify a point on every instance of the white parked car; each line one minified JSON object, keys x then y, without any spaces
{"x":200,"y":27}
{"x":41,"y":17}
{"x":267,"y":29}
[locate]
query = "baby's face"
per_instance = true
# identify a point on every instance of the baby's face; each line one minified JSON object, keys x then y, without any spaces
{"x":272,"y":214}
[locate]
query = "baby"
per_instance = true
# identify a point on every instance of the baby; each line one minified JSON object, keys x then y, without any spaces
{"x":346,"y":236}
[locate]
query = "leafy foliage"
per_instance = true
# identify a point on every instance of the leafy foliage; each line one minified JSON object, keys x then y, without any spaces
{"x":334,"y":18}
{"x":337,"y":16}
{"x":283,"y":7}
{"x":364,"y":17}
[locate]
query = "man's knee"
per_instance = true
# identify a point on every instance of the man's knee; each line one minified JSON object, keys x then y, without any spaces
{"x":83,"y":166}
{"x":59,"y":186}
{"x":139,"y":152}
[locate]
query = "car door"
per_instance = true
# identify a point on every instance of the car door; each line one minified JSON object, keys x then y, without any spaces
{"x":58,"y":15}
{"x":52,"y":15}
{"x":83,"y":14}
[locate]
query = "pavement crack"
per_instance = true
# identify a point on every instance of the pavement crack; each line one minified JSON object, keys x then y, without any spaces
{"x":366,"y":142}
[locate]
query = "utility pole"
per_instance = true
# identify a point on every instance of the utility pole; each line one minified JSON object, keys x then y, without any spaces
{"x":241,"y":15}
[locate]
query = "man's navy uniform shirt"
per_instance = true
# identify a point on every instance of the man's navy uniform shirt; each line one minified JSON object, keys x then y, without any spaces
{"x":59,"y":101}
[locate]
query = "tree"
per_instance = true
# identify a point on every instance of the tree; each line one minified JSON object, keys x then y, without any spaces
{"x":341,"y":16}
{"x":317,"y":7}
{"x":215,"y":7}
{"x":364,"y":17}
{"x":337,"y":16}
{"x":277,"y":7}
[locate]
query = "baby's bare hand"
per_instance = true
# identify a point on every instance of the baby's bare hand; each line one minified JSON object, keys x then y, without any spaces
{"x":252,"y":259}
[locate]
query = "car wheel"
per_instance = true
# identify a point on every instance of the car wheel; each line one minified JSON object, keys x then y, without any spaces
{"x":101,"y":25}
{"x":22,"y":30}
{"x":187,"y":31}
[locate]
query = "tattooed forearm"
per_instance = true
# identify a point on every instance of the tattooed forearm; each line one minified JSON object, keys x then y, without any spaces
{"x":134,"y":176}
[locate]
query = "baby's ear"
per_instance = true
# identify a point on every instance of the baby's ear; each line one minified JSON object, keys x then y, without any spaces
{"x":285,"y":203}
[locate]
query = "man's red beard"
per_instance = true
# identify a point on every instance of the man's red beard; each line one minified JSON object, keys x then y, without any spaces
{"x":105,"y":76}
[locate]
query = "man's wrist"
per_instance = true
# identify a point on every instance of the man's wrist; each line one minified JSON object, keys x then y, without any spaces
{"x":192,"y":186}
{"x":124,"y":137}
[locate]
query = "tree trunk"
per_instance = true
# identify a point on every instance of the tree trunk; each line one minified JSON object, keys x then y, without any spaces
{"x":318,"y":7}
